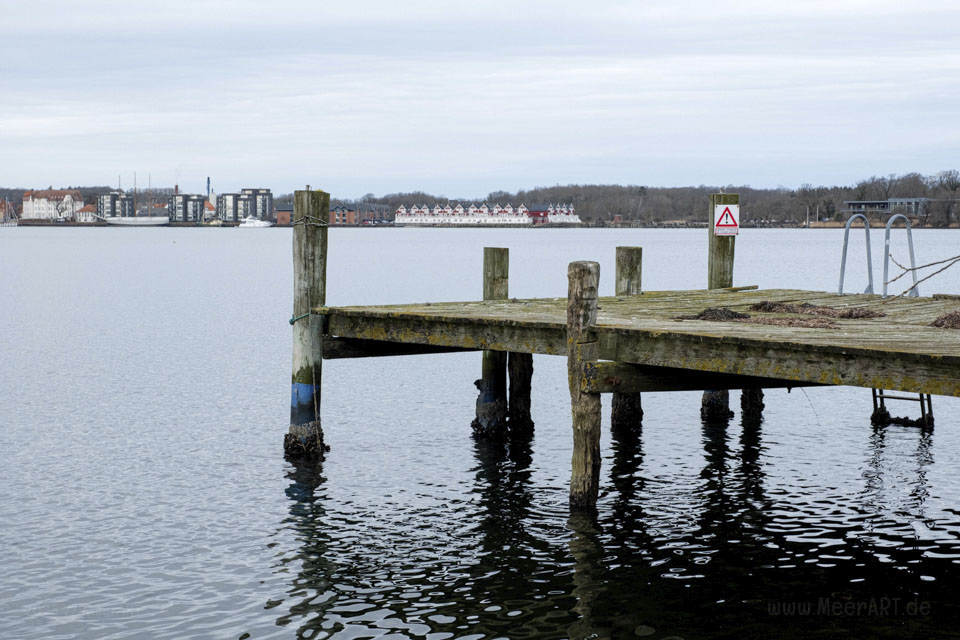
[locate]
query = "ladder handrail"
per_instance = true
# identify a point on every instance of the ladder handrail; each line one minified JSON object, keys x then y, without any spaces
{"x":914,"y":291}
{"x":843,"y":260}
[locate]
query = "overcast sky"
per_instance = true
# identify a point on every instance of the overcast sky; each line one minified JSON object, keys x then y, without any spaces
{"x":462,"y":98}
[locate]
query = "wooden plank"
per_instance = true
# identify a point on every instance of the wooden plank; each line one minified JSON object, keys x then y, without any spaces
{"x":716,"y":352}
{"x":787,"y":361}
{"x":614,"y":377}
{"x":899,"y":351}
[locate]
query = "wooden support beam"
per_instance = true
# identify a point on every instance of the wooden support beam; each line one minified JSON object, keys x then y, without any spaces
{"x":626,"y":410}
{"x":715,"y":404}
{"x":622,"y":377}
{"x":311,"y":214}
{"x":520,"y":370}
{"x":337,"y":348}
{"x":583,"y":347}
{"x":787,"y":360}
{"x":751,"y":404}
{"x":491,"y":419}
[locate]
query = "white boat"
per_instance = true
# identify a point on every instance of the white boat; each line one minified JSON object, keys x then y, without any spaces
{"x":254,"y":223}
{"x":137,"y":221}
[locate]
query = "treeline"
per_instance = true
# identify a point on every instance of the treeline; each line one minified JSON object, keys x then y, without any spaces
{"x":601,"y":204}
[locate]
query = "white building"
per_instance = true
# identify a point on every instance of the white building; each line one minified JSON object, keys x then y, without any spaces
{"x":87,"y":213}
{"x":52,"y":204}
{"x":484,"y":214}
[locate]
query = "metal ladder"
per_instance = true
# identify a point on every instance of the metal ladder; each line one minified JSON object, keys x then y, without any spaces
{"x":843,"y":260}
{"x":914,"y":291}
{"x":880,"y":408}
{"x":879,"y":396}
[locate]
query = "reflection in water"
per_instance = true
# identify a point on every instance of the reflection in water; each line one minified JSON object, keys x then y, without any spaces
{"x":518,"y":580}
{"x":588,"y":576}
{"x":503,"y":565}
{"x":313,"y":575}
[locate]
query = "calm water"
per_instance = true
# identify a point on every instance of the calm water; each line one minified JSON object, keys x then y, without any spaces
{"x":143,"y":494}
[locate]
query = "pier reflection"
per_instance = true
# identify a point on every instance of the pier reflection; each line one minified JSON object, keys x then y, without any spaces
{"x":889,"y":471}
{"x":716,"y":552}
{"x":313,"y":572}
{"x":518,"y":587}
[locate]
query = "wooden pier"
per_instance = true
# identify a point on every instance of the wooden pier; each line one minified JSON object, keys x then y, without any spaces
{"x":637,"y":341}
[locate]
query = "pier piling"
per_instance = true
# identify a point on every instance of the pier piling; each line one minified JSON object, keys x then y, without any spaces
{"x":311,"y":214}
{"x":520,"y":370}
{"x":491,"y":418}
{"x":583,"y":347}
{"x":716,"y":404}
{"x":751,"y":404}
{"x":626,"y":408}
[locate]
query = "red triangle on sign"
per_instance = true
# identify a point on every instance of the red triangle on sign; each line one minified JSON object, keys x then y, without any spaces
{"x":726,"y":219}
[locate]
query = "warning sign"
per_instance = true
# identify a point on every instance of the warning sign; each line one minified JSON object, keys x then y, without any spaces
{"x":727,"y":220}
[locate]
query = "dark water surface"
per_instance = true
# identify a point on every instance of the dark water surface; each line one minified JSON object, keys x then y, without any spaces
{"x":143,"y":494}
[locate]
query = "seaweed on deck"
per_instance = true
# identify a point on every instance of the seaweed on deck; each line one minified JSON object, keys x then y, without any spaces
{"x":948,"y":320}
{"x":723,"y":314}
{"x":851,"y":313}
{"x":717,"y":314}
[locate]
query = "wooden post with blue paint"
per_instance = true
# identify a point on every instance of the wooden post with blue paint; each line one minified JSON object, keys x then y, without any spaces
{"x":626,"y":411}
{"x":311,"y":214}
{"x":491,"y":419}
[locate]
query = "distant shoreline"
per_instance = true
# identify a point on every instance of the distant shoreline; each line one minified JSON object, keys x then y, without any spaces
{"x":673,"y":225}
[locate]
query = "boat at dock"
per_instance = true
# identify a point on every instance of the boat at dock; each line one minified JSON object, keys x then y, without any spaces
{"x":254,"y":223}
{"x":137,"y":221}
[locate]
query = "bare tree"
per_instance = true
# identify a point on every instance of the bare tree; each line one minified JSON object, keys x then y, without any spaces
{"x":949,"y":180}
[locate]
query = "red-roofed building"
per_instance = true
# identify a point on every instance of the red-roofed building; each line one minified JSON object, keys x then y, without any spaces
{"x":88,"y":213}
{"x":52,"y":204}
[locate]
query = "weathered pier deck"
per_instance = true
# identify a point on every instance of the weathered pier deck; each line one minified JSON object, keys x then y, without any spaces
{"x":899,"y":351}
{"x":638,"y":341}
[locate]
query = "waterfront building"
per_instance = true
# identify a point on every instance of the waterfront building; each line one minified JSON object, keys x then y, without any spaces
{"x":231,"y":207}
{"x":261,"y":203}
{"x":372,"y":213}
{"x":184,"y":207}
{"x":485,"y":214}
{"x":234,"y":207}
{"x":343,"y":214}
{"x":52,"y":204}
{"x":87,"y":213}
{"x":115,"y":204}
{"x":910,"y":207}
